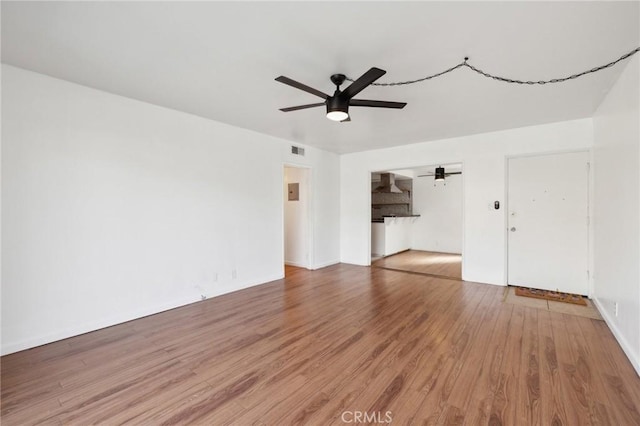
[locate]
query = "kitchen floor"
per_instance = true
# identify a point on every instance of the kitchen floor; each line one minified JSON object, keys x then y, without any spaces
{"x":445,"y":265}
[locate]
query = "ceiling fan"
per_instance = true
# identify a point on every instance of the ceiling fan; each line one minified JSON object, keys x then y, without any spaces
{"x":338,"y":104}
{"x":440,"y":173}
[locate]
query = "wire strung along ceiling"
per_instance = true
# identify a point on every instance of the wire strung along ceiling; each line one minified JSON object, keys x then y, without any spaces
{"x":466,"y":64}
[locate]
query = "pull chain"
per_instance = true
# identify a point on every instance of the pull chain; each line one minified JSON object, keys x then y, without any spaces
{"x":504,"y":79}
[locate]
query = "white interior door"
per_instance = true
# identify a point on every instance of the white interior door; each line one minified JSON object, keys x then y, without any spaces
{"x":548,"y":222}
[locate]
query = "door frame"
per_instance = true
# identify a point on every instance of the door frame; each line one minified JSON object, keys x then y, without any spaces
{"x":308,"y":213}
{"x":590,"y":194}
{"x":423,"y":164}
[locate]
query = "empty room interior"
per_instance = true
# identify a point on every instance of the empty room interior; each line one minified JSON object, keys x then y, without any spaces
{"x":272,"y":213}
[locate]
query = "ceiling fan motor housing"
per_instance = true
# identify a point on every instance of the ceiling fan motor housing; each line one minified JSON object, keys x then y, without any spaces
{"x":337,"y":103}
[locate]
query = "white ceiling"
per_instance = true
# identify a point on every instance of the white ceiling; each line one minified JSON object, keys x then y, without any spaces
{"x":219,"y":60}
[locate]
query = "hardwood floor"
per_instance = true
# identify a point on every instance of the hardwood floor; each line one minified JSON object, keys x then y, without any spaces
{"x":424,"y":262}
{"x":326,"y":346}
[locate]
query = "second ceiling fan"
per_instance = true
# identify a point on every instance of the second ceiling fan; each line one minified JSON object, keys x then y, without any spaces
{"x":338,"y":104}
{"x":440,"y":174}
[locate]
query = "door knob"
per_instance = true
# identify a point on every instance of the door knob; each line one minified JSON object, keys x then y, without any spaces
{"x":513,"y":229}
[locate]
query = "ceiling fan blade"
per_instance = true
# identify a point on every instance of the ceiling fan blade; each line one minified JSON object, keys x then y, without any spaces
{"x":365,"y":79}
{"x":295,"y":108}
{"x":377,"y":104}
{"x":293,"y":83}
{"x":446,"y":174}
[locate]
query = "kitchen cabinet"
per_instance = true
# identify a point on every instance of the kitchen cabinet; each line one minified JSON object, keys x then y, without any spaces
{"x":391,"y":236}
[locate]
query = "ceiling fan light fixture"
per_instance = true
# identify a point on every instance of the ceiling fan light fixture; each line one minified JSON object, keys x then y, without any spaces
{"x":439,"y":173}
{"x":337,"y":115}
{"x":337,"y":109}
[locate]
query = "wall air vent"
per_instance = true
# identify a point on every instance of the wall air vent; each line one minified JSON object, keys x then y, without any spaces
{"x":297,"y":150}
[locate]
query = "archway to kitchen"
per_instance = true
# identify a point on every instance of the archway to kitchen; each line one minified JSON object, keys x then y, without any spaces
{"x":417,"y":220}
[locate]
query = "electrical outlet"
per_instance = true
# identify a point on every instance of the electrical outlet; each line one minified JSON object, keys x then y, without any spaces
{"x":615,"y":308}
{"x":215,"y":277}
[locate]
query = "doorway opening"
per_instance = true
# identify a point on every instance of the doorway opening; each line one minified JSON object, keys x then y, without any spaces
{"x":417,"y":226}
{"x":297,"y":230}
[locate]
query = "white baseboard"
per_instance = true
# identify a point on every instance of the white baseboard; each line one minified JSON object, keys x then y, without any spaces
{"x":324,"y":264}
{"x":313,"y":267}
{"x":624,"y":344}
{"x":296,"y":264}
{"x":484,"y":282}
{"x":244,"y":285}
{"x":32,"y":342}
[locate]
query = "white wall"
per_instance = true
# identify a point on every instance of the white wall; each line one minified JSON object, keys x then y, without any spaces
{"x":439,"y":204}
{"x":484,"y":159}
{"x":617,"y":210}
{"x":296,"y":224}
{"x":113,"y":209}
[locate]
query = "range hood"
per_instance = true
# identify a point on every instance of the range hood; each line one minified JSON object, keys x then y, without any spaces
{"x":388,"y":184}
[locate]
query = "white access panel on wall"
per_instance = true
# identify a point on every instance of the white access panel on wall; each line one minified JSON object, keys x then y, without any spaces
{"x":548,"y":222}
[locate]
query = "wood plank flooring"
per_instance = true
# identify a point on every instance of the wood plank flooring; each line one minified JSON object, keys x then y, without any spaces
{"x":423,"y":262}
{"x":319,"y":347}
